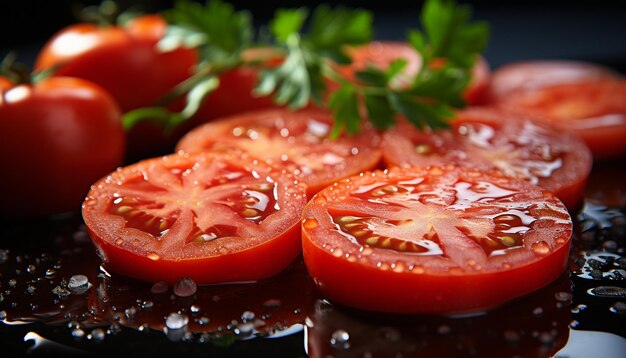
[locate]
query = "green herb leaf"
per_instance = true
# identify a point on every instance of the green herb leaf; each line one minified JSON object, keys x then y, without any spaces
{"x":344,"y":104}
{"x":222,"y":30}
{"x":379,"y":111}
{"x":287,"y":22}
{"x":449,"y":33}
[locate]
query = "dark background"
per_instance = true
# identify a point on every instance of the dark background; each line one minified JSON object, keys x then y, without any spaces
{"x":582,"y":30}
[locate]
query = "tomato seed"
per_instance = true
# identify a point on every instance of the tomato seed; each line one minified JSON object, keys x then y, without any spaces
{"x":249,"y":213}
{"x":402,"y":246}
{"x":351,"y":225}
{"x":124,"y":209}
{"x":346,"y":219}
{"x":386,"y":242}
{"x":372,"y":240}
{"x":508,"y":241}
{"x":163,"y":225}
{"x":310,"y":223}
{"x":423,"y":149}
{"x":390,"y":189}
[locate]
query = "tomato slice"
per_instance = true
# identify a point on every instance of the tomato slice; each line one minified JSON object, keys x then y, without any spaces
{"x":595,"y":111}
{"x":214,"y":218}
{"x":433,"y":240}
{"x":381,"y":54}
{"x":516,"y":78}
{"x":495,"y":140}
{"x":297,"y":141}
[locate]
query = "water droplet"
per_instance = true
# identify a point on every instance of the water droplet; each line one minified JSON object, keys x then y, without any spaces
{"x":130,"y":312}
{"x":564,"y":297}
{"x":538,"y":311}
{"x":247,"y":316}
{"x":244,"y":329}
{"x":340,"y":339}
{"x":77,"y":281}
{"x":50,"y":273}
{"x":30,"y":289}
{"x":12,"y":282}
{"x":203,"y":321}
{"x":61,"y":291}
{"x":618,"y":307}
{"x":185,"y":287}
{"x":4,"y":256}
{"x":153,"y":256}
{"x":607,"y":291}
{"x":3,"y":315}
{"x":176,"y":321}
{"x":511,"y":336}
{"x":540,"y":248}
{"x":159,"y":287}
{"x":78,"y":333}
{"x":579,"y":308}
{"x":147,"y":305}
{"x":98,"y":334}
{"x":31,"y":269}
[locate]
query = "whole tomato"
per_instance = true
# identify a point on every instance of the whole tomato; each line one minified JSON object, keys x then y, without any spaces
{"x":57,"y":137}
{"x":127,"y":63}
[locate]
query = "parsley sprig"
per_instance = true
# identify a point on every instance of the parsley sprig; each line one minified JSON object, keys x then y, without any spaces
{"x":312,"y":46}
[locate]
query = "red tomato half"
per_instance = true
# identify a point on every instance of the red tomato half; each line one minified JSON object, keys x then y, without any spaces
{"x":516,"y":78}
{"x":434,"y":240}
{"x":381,"y":54}
{"x":297,"y":141}
{"x":56,"y":138}
{"x":210,"y":217}
{"x":495,"y":140}
{"x":595,"y":111}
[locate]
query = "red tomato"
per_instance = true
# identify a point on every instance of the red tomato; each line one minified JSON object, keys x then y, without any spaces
{"x":297,"y":141}
{"x":495,"y":140}
{"x":516,"y":78}
{"x":235,"y":92}
{"x":57,"y":137}
{"x":381,"y":54}
{"x":5,"y":84}
{"x":595,"y":111}
{"x":213,"y":218}
{"x":433,"y":240}
{"x":126,"y":63}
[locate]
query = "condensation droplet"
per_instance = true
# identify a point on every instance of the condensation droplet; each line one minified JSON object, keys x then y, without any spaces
{"x":159,"y":287}
{"x":618,"y":307}
{"x":340,"y":339}
{"x":607,"y":291}
{"x":540,"y":248}
{"x":176,"y":321}
{"x":185,"y":287}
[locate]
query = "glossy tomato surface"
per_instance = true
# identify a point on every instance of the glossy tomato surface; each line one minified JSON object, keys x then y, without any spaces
{"x":497,"y":140}
{"x":381,"y":54}
{"x":595,"y":111}
{"x":56,"y":138}
{"x":433,"y":240}
{"x":213,"y":218}
{"x":516,"y":78}
{"x":298,"y":141}
{"x":123,"y":60}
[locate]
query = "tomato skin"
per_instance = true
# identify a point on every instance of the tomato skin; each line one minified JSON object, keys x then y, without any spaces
{"x":58,"y":137}
{"x":517,"y":143}
{"x":5,"y":84}
{"x":385,"y":280}
{"x":137,"y":253}
{"x":125,"y":62}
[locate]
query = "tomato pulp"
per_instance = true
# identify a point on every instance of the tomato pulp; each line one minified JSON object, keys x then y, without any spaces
{"x":213,"y":218}
{"x":497,"y":140}
{"x":56,"y":138}
{"x":297,"y":141}
{"x":584,"y":98}
{"x":433,"y":240}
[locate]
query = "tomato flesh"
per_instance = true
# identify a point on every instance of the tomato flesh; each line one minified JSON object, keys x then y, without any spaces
{"x":214,"y":218}
{"x":297,"y":141}
{"x":496,"y":140}
{"x":595,"y":111}
{"x":433,"y":240}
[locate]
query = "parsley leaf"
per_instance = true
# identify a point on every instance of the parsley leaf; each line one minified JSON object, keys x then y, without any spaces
{"x":217,"y":26}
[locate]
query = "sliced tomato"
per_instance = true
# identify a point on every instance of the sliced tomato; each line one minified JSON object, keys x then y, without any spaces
{"x":297,"y":141}
{"x":381,"y":54}
{"x":489,"y":139}
{"x":433,"y":240}
{"x":214,"y":218}
{"x":595,"y":111}
{"x":516,"y":78}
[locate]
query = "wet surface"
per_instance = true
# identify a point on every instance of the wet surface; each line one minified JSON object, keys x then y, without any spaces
{"x":55,"y":298}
